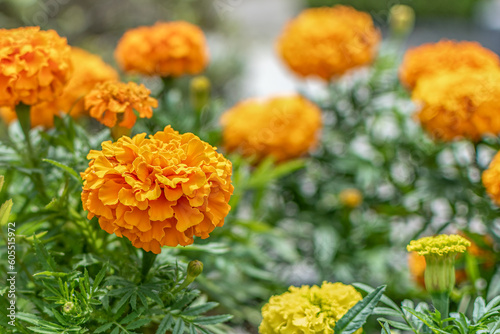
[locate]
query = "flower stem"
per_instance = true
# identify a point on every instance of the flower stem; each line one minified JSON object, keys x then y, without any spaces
{"x":441,"y":302}
{"x":23,"y":115}
{"x":148,"y":259}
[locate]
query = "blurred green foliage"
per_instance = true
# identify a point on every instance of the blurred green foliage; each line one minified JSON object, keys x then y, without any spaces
{"x":423,"y":8}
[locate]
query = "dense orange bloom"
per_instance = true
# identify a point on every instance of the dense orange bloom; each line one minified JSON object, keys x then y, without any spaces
{"x":328,"y":41}
{"x":34,"y":65}
{"x":88,"y":70}
{"x":281,"y":127}
{"x":158,"y":191}
{"x":460,"y":104}
{"x":432,"y":58}
{"x":165,"y":49}
{"x":114,"y":102}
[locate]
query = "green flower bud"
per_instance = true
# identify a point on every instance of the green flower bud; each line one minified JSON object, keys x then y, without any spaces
{"x":194,"y":269}
{"x":68,"y":307}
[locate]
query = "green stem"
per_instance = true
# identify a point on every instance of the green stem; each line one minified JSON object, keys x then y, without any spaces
{"x":441,"y":302}
{"x":23,"y":115}
{"x":148,"y":259}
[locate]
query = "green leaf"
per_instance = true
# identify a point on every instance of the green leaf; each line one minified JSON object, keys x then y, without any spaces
{"x":65,"y":168}
{"x":165,"y":324}
{"x":479,"y":309}
{"x":43,"y":255}
{"x":356,"y":317}
{"x":212,"y":320}
{"x":5,"y":212}
{"x":179,"y":326}
{"x":199,"y":309}
{"x":386,"y":300}
{"x":396,"y":324}
{"x":385,"y":328}
{"x":99,"y":278}
{"x":138,"y":323}
{"x":103,"y":328}
{"x":1,"y":182}
{"x":386,"y":311}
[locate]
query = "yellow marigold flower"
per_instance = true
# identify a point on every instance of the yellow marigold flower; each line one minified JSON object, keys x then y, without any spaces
{"x":165,"y":49}
{"x":308,"y":310}
{"x":328,"y":41}
{"x":114,"y":102}
{"x":460,"y":104}
{"x":440,"y":252}
{"x":158,"y":191}
{"x":440,"y":245}
{"x":432,"y":58}
{"x":34,"y":65}
{"x":351,"y":197}
{"x":281,"y":127}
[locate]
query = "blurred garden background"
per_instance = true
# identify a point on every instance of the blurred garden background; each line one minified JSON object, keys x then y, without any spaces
{"x":344,"y":211}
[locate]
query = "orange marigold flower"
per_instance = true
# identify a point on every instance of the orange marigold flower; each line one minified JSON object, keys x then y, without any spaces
{"x":460,"y":104}
{"x":112,"y":101}
{"x":89,"y":69}
{"x":158,"y":191}
{"x":432,"y":58}
{"x":165,"y":49}
{"x":328,"y":41}
{"x":491,"y":179}
{"x":34,"y":65}
{"x":281,"y":127}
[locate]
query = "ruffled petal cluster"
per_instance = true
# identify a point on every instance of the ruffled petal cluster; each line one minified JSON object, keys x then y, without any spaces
{"x":164,"y":49}
{"x":444,"y":56}
{"x":460,"y":104}
{"x":308,"y":310}
{"x":440,"y":245}
{"x":282,"y":127}
{"x":158,"y":191}
{"x":34,"y":65}
{"x":113,"y":103}
{"x":328,"y":41}
{"x":88,"y":70}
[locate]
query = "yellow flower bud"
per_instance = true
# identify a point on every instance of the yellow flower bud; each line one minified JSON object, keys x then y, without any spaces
{"x":351,"y":197}
{"x":401,"y":19}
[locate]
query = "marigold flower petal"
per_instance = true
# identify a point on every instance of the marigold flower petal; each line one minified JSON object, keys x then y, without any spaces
{"x":328,"y":41}
{"x":283,"y":127}
{"x":35,"y":65}
{"x":308,"y":310}
{"x":158,"y":191}
{"x":459,"y":104}
{"x":164,"y":49}
{"x":109,"y":99}
{"x":445,"y":56}
{"x":441,"y":245}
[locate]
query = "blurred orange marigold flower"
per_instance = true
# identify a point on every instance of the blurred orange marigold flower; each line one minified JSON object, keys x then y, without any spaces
{"x":88,"y":70}
{"x":281,"y":127}
{"x":432,"y":58}
{"x":158,"y":191}
{"x":491,"y":179}
{"x":460,"y":104}
{"x":328,"y":41}
{"x":34,"y":65}
{"x":114,"y":102}
{"x":164,"y":49}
